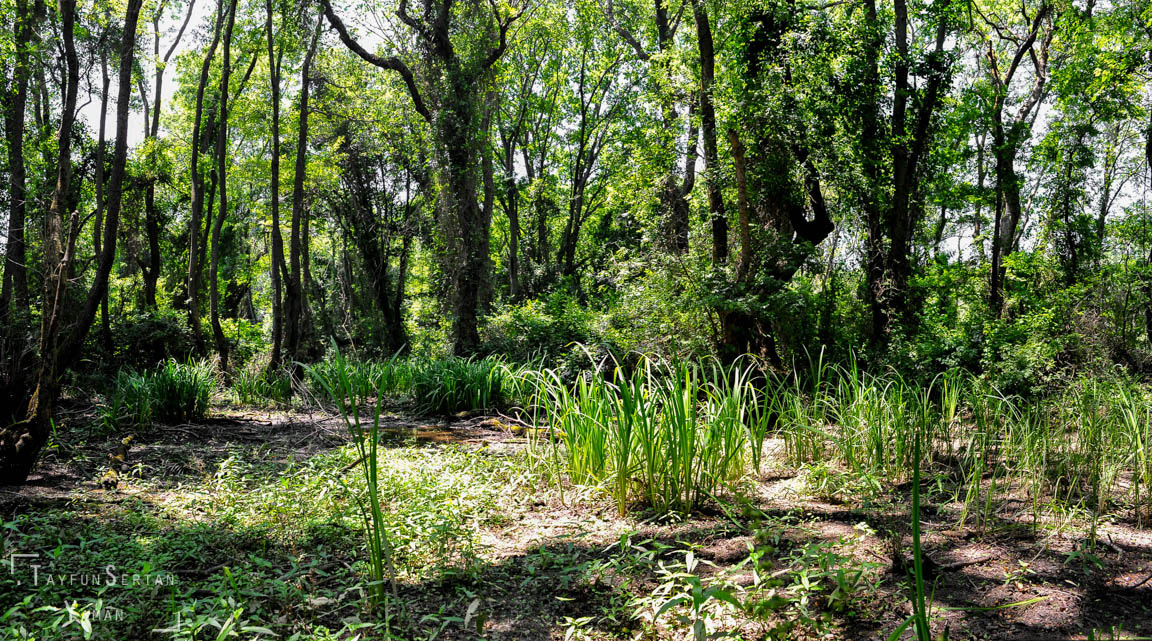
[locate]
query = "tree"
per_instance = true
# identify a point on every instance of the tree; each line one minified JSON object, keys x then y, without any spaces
{"x":60,"y":341}
{"x":151,"y":268}
{"x":197,"y":183}
{"x":1006,"y":44}
{"x":712,"y":180}
{"x":296,"y":302}
{"x":675,"y":185}
{"x":13,"y":100}
{"x":275,"y":57}
{"x":455,"y":85}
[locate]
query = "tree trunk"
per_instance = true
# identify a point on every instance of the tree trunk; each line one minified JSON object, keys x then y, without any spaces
{"x":197,"y":202}
{"x":14,"y":292}
{"x":296,"y":293}
{"x":274,"y":194}
{"x":222,"y":183}
{"x":712,"y":180}
{"x":151,"y":215}
{"x":98,"y":223}
{"x":20,"y":444}
{"x":1008,"y":210}
{"x":463,"y":221}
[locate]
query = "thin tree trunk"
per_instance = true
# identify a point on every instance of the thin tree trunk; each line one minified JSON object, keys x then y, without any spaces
{"x":274,"y":195}
{"x":712,"y":181}
{"x":296,"y":293}
{"x":105,"y":329}
{"x":222,"y":183}
{"x":742,"y":206}
{"x":14,"y":291}
{"x":197,"y":202}
{"x":151,"y":214}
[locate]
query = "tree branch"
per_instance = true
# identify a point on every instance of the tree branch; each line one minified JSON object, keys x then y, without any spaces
{"x":392,"y":62}
{"x":498,"y":51}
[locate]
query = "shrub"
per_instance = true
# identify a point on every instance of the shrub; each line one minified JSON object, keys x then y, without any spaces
{"x":246,"y":339}
{"x":144,"y":340}
{"x":539,"y":329}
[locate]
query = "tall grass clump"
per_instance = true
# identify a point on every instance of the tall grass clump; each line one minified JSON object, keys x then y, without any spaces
{"x":671,"y":435}
{"x":342,"y":381}
{"x":175,"y":392}
{"x":181,"y":391}
{"x":260,"y":387}
{"x":458,"y":384}
{"x":366,"y":380}
{"x":130,"y":403}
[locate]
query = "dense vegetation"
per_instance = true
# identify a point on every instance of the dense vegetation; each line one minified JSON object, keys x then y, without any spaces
{"x":900,"y":250}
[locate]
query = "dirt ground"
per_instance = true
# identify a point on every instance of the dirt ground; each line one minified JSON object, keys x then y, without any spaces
{"x":1072,"y":588}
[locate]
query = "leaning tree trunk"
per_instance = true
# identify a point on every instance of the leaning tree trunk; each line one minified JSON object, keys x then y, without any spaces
{"x":20,"y":444}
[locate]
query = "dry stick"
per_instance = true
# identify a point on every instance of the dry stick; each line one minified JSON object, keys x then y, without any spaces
{"x":1146,"y":579}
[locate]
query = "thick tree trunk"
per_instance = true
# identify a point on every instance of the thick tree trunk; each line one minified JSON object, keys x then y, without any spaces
{"x":464,"y":223}
{"x":14,"y":291}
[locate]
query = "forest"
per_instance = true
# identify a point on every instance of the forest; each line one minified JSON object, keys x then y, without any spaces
{"x":576,"y":319}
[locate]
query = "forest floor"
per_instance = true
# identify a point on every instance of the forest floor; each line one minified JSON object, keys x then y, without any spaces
{"x":246,"y":518}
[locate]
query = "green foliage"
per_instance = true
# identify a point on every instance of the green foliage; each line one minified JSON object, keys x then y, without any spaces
{"x":342,"y":384}
{"x":258,"y":386}
{"x":175,"y":392}
{"x":672,"y":435}
{"x":546,"y":329}
{"x":434,"y":386}
{"x":458,"y":384}
{"x":365,"y":380}
{"x":246,"y":339}
{"x":145,"y":339}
